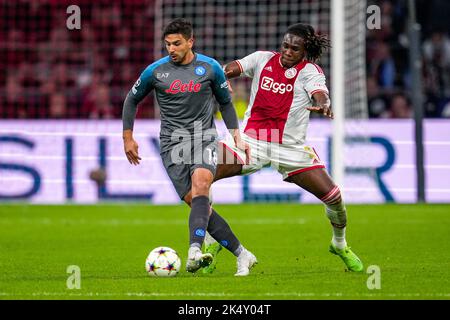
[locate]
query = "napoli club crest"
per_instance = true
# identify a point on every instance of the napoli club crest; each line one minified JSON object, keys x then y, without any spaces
{"x":290,"y":73}
{"x":200,"y":71}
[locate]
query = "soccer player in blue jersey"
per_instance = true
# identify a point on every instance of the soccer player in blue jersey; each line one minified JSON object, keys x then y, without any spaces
{"x":186,"y":83}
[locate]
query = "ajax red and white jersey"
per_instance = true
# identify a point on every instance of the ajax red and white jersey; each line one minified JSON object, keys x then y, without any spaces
{"x":279,"y":97}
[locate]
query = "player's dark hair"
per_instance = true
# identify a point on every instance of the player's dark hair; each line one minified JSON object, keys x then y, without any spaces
{"x":181,"y":26}
{"x":315,"y":44}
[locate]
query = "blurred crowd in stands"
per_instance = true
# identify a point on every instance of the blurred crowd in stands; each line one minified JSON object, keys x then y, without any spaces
{"x":49,"y":71}
{"x":387,"y":55}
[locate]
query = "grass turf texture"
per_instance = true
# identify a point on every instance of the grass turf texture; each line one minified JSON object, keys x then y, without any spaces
{"x":410,"y":244}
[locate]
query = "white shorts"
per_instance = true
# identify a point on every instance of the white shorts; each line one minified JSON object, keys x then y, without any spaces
{"x":286,"y":159}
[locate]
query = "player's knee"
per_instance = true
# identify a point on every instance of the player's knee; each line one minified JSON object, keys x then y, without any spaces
{"x":333,"y":197}
{"x":201,"y":187}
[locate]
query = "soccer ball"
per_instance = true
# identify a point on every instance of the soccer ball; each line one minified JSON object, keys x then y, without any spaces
{"x":163,"y":262}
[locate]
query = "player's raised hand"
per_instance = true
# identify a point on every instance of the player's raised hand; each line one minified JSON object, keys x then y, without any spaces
{"x":248,"y":153}
{"x":131,"y":150}
{"x":241,"y":144}
{"x":244,"y":146}
{"x":322,"y":109}
{"x":321,"y":104}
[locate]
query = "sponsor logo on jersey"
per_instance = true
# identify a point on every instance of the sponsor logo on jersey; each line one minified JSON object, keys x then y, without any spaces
{"x":200,"y":71}
{"x":162,"y":75}
{"x":224,"y":85}
{"x":290,"y":73}
{"x":270,"y":85}
{"x":178,"y":86}
{"x":269,"y":68}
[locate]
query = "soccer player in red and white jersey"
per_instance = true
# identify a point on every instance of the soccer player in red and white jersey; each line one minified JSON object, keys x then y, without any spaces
{"x":287,"y":86}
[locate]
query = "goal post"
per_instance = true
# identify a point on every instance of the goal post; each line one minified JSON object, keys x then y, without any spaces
{"x":338,"y":89}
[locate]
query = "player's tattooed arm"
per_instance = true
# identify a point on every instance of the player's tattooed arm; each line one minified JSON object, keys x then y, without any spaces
{"x":232,"y":70}
{"x":321,"y":104}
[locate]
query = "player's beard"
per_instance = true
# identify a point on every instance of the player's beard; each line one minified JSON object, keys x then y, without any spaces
{"x":178,"y":58}
{"x":175,"y":58}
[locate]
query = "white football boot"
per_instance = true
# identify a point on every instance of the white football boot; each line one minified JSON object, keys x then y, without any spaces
{"x":197,"y":259}
{"x":245,"y":261}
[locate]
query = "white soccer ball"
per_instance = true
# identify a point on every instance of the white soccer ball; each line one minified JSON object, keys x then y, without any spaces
{"x":163,"y":262}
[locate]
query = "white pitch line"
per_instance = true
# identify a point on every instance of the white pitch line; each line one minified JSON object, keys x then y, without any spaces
{"x":223,"y":294}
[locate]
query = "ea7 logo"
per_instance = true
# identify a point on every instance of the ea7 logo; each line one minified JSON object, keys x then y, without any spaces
{"x":162,"y":75}
{"x":270,"y":85}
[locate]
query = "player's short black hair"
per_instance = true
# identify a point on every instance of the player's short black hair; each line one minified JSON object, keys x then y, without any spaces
{"x":315,"y":44}
{"x":181,"y":26}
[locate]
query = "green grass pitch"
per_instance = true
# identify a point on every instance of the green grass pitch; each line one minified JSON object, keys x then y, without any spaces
{"x":409,"y":243}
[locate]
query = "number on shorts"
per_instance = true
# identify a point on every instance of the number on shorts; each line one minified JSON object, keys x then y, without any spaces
{"x":212,"y":156}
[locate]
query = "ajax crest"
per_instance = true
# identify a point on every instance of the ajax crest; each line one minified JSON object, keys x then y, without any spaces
{"x":290,"y":73}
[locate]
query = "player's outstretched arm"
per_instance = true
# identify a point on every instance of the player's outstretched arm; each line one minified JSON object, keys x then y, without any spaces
{"x":128,"y":115}
{"x":322,"y":104}
{"x":131,"y":147}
